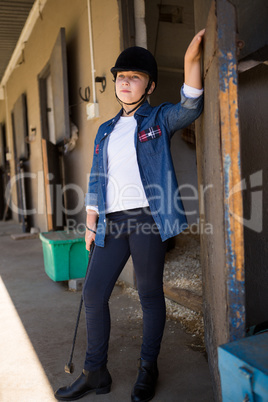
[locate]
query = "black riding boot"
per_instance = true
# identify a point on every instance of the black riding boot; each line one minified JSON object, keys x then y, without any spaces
{"x":144,"y":388}
{"x":99,"y":380}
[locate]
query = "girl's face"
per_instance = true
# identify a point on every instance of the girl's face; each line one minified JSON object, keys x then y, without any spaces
{"x":130,"y":86}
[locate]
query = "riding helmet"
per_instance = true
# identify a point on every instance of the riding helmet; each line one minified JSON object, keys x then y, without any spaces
{"x":136,"y":58}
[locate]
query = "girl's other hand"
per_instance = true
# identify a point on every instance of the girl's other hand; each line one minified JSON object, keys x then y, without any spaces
{"x":92,"y":217}
{"x":89,"y":238}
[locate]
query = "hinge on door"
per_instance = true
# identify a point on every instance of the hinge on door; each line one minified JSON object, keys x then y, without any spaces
{"x":248,"y":374}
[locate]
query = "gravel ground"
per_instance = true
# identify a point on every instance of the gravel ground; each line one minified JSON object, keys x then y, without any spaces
{"x":182,"y":266}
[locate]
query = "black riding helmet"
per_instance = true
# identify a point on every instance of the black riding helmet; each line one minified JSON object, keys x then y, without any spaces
{"x":137,"y":58}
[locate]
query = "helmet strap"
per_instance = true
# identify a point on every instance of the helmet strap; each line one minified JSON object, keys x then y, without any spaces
{"x":138,"y":103}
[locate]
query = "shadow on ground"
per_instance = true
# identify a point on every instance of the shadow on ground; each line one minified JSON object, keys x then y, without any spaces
{"x":48,"y":312}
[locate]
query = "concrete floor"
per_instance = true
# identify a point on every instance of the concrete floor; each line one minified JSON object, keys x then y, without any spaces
{"x":38,"y":317}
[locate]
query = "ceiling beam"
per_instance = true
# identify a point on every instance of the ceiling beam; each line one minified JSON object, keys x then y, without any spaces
{"x":24,"y":36}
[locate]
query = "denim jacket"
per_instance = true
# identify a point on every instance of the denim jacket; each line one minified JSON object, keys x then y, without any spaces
{"x":155,"y":128}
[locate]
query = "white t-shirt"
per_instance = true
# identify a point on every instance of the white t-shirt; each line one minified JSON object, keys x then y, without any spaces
{"x":124,"y":186}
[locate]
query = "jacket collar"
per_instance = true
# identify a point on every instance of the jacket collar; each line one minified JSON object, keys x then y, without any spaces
{"x":144,"y":110}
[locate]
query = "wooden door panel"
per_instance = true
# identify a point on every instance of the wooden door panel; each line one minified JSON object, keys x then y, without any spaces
{"x":58,"y":71}
{"x":52,"y":181}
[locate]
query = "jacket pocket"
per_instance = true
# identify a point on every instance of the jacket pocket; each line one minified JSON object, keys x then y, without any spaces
{"x":150,"y":133}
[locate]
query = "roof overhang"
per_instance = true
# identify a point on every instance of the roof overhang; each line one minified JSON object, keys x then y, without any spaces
{"x":15,"y":58}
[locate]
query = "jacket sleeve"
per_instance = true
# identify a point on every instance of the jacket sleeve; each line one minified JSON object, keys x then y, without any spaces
{"x":91,"y":198}
{"x":182,"y":114}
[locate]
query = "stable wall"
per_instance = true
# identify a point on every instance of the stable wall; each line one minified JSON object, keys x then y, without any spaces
{"x":106,"y":41}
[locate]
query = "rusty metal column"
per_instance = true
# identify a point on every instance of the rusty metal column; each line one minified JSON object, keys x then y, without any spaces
{"x":233,"y":207}
{"x":218,"y":160}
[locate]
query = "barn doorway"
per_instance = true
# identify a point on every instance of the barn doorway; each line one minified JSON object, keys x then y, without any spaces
{"x":170,"y":28}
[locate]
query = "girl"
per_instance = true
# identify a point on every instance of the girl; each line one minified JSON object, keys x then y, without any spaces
{"x":133,"y":206}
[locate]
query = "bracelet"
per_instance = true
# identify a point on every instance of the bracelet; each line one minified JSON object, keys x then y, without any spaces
{"x":91,"y":230}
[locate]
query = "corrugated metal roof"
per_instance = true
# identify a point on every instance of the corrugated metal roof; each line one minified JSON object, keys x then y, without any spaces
{"x":13,"y":15}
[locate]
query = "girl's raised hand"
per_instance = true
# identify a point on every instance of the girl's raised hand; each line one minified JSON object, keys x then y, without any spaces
{"x":192,"y":68}
{"x":194,"y":50}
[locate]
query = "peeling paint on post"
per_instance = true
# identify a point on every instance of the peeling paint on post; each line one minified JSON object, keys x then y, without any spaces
{"x":218,"y":159}
{"x":234,"y":240}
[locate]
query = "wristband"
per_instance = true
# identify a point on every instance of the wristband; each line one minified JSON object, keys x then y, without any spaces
{"x":91,"y":230}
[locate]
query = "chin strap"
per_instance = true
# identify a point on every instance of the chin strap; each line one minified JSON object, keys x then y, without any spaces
{"x":138,"y":103}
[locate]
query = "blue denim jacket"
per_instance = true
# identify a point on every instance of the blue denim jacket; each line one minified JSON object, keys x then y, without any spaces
{"x":155,"y":128}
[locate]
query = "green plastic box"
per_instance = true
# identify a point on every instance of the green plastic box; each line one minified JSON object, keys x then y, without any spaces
{"x":65,"y":255}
